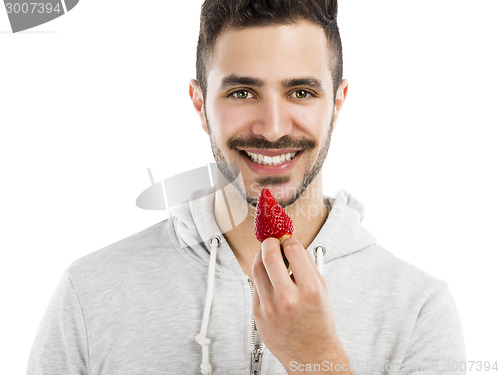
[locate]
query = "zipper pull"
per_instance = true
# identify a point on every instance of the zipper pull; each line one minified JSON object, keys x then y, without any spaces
{"x":256,"y":361}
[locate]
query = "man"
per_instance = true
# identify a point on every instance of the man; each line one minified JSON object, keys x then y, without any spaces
{"x":194,"y":290}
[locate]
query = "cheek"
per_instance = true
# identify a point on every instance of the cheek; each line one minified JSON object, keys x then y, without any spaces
{"x":230,"y":120}
{"x":313,"y":120}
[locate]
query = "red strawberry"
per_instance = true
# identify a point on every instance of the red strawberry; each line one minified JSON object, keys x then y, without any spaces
{"x":271,"y":220}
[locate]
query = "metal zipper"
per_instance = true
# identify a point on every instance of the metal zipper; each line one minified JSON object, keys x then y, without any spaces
{"x":256,"y":361}
{"x":257,"y":347}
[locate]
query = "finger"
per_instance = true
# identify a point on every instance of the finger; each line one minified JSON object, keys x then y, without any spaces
{"x":256,"y":304}
{"x":315,"y":266}
{"x":313,"y":262}
{"x":301,"y":262}
{"x":310,"y":256}
{"x":275,"y":267}
{"x":256,"y":300}
{"x":261,"y":280}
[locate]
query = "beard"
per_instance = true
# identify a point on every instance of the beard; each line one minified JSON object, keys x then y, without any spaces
{"x":305,"y":144}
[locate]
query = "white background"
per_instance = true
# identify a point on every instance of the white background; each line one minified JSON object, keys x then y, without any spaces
{"x":90,"y":100}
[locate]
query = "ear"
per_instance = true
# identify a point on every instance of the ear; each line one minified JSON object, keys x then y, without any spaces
{"x":197,"y":98}
{"x":340,"y":98}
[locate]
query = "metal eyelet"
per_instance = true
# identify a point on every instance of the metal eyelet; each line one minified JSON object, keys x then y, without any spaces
{"x":319,"y":246}
{"x":214,"y":238}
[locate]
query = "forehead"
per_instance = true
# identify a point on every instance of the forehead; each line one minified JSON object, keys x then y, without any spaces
{"x":272,"y":53}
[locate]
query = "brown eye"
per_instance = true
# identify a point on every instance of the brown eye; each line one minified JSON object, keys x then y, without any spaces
{"x":300,"y":94}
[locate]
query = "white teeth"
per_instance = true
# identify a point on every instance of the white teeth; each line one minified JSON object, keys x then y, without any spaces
{"x":271,"y":160}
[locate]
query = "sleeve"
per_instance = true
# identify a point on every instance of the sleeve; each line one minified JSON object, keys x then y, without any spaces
{"x":436,"y":345}
{"x":60,"y":346}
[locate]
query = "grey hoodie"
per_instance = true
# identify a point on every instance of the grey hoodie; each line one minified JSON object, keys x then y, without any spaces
{"x":136,"y":306}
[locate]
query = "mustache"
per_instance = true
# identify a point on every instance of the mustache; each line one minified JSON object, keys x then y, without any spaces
{"x":284,"y":142}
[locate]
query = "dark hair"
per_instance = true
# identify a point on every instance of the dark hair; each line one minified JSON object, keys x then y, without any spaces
{"x":220,"y":15}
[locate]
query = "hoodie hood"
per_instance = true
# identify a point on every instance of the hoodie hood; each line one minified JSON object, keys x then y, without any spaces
{"x":194,"y":223}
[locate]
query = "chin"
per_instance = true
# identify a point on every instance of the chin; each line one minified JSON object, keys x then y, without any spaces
{"x":285,"y":194}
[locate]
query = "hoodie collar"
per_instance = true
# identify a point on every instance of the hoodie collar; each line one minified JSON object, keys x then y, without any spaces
{"x":195,"y":223}
{"x":342,"y":233}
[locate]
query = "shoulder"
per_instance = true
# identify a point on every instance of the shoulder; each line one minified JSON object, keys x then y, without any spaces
{"x":388,"y":277}
{"x":141,"y":253}
{"x":125,"y":248}
{"x":389,"y":265}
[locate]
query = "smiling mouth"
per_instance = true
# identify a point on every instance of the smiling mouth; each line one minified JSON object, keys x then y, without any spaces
{"x":270,"y":160}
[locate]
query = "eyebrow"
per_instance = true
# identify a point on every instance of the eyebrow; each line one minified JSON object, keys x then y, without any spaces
{"x":234,"y":80}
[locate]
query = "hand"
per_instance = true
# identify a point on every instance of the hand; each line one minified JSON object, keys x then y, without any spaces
{"x":293,"y":315}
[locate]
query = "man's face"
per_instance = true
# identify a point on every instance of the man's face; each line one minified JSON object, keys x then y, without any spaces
{"x":269,"y":107}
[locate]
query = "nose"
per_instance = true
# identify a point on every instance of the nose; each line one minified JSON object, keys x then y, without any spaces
{"x":272,"y":120}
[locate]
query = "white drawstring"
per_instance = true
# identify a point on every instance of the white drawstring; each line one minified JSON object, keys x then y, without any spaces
{"x":320,"y":256}
{"x":201,"y":338}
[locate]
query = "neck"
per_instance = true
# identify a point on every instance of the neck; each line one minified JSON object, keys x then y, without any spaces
{"x":235,"y":218}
